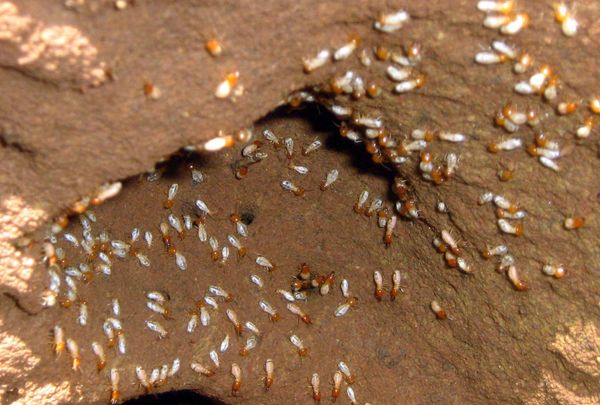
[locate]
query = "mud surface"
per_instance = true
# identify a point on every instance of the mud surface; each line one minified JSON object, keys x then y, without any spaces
{"x":69,"y":128}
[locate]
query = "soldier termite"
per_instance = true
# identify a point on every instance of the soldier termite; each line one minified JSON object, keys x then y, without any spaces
{"x":297,"y":342}
{"x":437,"y":309}
{"x":269,"y":368}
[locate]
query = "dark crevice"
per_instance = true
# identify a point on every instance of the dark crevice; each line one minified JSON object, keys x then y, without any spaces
{"x":18,"y":304}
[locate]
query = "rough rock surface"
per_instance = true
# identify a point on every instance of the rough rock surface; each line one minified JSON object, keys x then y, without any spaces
{"x":66,"y":126}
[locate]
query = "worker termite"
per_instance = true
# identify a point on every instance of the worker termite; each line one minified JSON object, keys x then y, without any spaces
{"x":489,"y":58}
{"x":236,"y":372}
{"x":549,"y":163}
{"x":437,"y":309}
{"x":565,"y":108}
{"x":250,"y":344}
{"x":505,"y":204}
{"x":398,"y":74}
{"x":337,"y":383}
{"x":522,"y":63}
{"x":396,"y":278}
{"x":252,"y":328}
{"x":315,"y":384}
{"x":408,"y":85}
{"x":343,"y":309}
{"x":311,"y":64}
{"x":495,"y":21}
{"x":567,"y":21}
{"x":451,"y":137}
{"x":515,"y":24}
{"x":509,"y":228}
{"x":375,"y":206}
{"x":204,"y":316}
{"x":157,"y":328}
{"x":168,"y":203}
{"x":180,"y":261}
{"x":554,"y":271}
{"x":224,"y":344}
{"x":289,"y":186}
{"x":175,"y":367}
{"x":200,"y":369}
{"x":313,"y":146}
{"x":233,"y":318}
{"x":346,"y":50}
{"x":213,"y":47}
{"x":389,"y":230}
{"x":266,"y":307}
{"x":585,"y":130}
{"x":158,"y":308}
{"x":98,"y":351}
{"x":378,"y":279}
{"x":226,"y":86}
{"x":256,"y":280}
{"x":297,"y":342}
{"x":513,"y":276}
{"x":359,"y":207}
{"x":505,"y":262}
{"x":391,"y":22}
{"x":498,"y":250}
{"x":59,"y":340}
{"x":176,"y":224}
{"x":572,"y":223}
{"x":505,"y":174}
{"x":351,"y":395}
{"x":286,"y":295}
{"x":346,"y":371}
{"x":115,"y":395}
{"x":214,"y":357}
{"x":296,"y":310}
{"x":505,"y":145}
{"x":192,"y":323}
{"x":164,"y":230}
{"x":215,"y":254}
{"x":269,"y":368}
{"x":212,"y":302}
{"x":220,"y":292}
{"x":493,"y":6}
{"x":332,"y":176}
{"x":142,"y":378}
{"x":73,"y":349}
{"x":449,"y":240}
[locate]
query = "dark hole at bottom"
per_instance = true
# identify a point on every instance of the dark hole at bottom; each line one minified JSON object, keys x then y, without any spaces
{"x":184,"y":397}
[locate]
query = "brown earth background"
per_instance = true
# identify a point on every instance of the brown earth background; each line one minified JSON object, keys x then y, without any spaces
{"x":73,"y":115}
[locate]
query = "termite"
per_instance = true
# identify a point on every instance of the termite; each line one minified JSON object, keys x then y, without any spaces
{"x":115,"y":394}
{"x":59,"y":340}
{"x":158,"y":328}
{"x":169,"y":202}
{"x":499,"y":250}
{"x":346,"y":371}
{"x":289,"y":186}
{"x":213,"y":47}
{"x":142,"y":377}
{"x":347,"y":49}
{"x":220,"y":292}
{"x":266,"y":307}
{"x":236,"y":372}
{"x":311,"y":64}
{"x":224,"y":88}
{"x":269,"y":368}
{"x":378,"y":279}
{"x":554,"y":271}
{"x":315,"y":383}
{"x":359,"y":207}
{"x":396,"y":278}
{"x":98,"y":350}
{"x":509,"y":228}
{"x":73,"y":349}
{"x":200,"y":369}
{"x":297,"y":342}
{"x":332,"y":176}
{"x":389,"y":230}
{"x":449,"y":240}
{"x":513,"y":276}
{"x":337,"y":383}
{"x":437,"y":309}
{"x":250,"y":344}
{"x":233,"y":318}
{"x":515,"y":24}
{"x":296,"y":310}
{"x":572,"y":223}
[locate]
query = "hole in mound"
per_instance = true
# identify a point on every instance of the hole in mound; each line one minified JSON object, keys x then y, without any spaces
{"x":184,"y":397}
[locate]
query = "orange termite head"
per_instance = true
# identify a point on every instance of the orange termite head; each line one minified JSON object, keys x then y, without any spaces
{"x":532,"y":150}
{"x":232,"y":78}
{"x":594,"y":105}
{"x":437,"y":175}
{"x":275,"y":317}
{"x":297,"y":285}
{"x":373,"y":90}
{"x":344,"y":128}
{"x":100,"y":365}
{"x":303,"y":352}
{"x":268,"y":382}
{"x":235,"y":388}
{"x":168,"y":204}
{"x":545,"y":70}
{"x":541,"y":139}
{"x":508,"y":109}
{"x":235,"y":218}
{"x":519,"y":229}
{"x":377,"y":158}
{"x":561,"y":12}
{"x":111,"y":342}
{"x":306,"y":319}
{"x":505,"y":175}
{"x":243,"y":352}
{"x":371,"y":147}
{"x":172,"y":250}
{"x":355,"y":39}
{"x":115,"y":397}
{"x":425,"y":157}
{"x":574,"y":223}
{"x":420,"y":80}
{"x":299,"y":192}
{"x":379,"y":293}
{"x":493,"y":148}
{"x":500,"y":120}
{"x":304,"y":271}
{"x":213,"y":47}
{"x":241,"y":172}
{"x":215,"y":255}
{"x":382,"y":53}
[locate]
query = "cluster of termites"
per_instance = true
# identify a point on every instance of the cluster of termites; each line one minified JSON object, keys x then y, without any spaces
{"x":385,"y":146}
{"x":500,"y":15}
